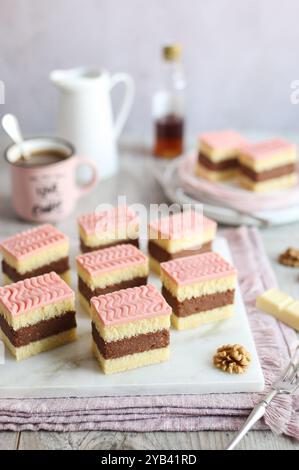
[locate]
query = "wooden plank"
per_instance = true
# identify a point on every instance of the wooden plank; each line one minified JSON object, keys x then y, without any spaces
{"x":9,"y":440}
{"x":151,"y":441}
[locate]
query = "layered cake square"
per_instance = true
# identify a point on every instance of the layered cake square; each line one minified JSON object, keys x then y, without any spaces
{"x":200,"y":289}
{"x":104,"y":271}
{"x":34,"y":252}
{"x":268,"y":165}
{"x":179,"y":235}
{"x":218,"y":154}
{"x":106,"y":228}
{"x":37,"y":314}
{"x":130,"y":328}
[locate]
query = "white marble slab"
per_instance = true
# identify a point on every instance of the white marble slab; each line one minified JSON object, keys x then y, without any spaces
{"x":71,"y":371}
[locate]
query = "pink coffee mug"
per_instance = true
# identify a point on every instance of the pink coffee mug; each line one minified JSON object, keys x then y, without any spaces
{"x":44,"y":189}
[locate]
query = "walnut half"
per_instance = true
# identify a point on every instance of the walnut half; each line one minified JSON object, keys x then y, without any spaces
{"x":290,"y":258}
{"x":232,"y":358}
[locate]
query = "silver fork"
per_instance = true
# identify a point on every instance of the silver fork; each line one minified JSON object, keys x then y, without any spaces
{"x":287,"y":384}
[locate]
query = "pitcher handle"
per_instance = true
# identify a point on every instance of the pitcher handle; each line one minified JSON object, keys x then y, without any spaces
{"x":126,"y":106}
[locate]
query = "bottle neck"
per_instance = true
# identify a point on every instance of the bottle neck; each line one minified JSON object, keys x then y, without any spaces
{"x":173,"y":75}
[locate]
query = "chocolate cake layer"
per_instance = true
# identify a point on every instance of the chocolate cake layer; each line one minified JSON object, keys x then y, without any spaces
{"x":60,"y":266}
{"x":219,"y":166}
{"x":86,"y":249}
{"x":88,"y":293}
{"x":132,"y":345}
{"x":268,"y":174}
{"x":161,"y":255}
{"x":198,"y":304}
{"x":38,"y":331}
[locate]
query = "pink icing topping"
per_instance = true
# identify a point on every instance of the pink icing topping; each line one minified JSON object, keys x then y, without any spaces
{"x":224,"y":140}
{"x":109,"y":259}
{"x":116,"y":218}
{"x":198,"y":268}
{"x":267,"y":148}
{"x":31,"y":241}
{"x":132,"y":304}
{"x":34,"y":293}
{"x":182,"y":225}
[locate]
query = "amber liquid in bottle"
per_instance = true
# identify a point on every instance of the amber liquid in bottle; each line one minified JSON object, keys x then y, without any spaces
{"x":169,"y":136}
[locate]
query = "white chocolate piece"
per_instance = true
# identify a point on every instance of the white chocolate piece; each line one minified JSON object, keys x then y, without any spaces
{"x":281,"y":305}
{"x":272,"y":301}
{"x":290,"y":315}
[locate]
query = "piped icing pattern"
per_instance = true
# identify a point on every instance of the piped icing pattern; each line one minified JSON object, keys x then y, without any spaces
{"x":224,"y":140}
{"x":267,"y":149}
{"x":198,"y":268}
{"x":31,"y":241}
{"x":109,"y":259}
{"x":181,"y":225}
{"x":110,"y":220}
{"x":131,"y":304}
{"x":36,"y":292}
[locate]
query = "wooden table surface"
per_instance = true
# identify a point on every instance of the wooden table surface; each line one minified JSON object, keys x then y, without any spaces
{"x":135,"y":181}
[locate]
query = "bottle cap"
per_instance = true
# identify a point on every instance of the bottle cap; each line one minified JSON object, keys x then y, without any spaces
{"x":172,"y":52}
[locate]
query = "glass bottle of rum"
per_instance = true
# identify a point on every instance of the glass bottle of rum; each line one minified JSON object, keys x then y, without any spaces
{"x":169,"y":106}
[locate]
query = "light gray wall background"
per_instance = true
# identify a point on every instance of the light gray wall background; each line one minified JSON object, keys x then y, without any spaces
{"x":240,"y":56}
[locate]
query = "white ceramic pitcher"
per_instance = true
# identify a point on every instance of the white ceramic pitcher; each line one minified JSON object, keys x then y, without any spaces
{"x":85,"y":113}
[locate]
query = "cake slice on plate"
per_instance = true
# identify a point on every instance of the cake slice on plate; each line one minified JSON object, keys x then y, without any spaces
{"x":34,"y":252}
{"x":178,"y":235}
{"x":104,"y":271}
{"x":37,"y":314}
{"x":130,"y":328}
{"x":268,"y":165}
{"x":218,"y":154}
{"x":200,"y":289}
{"x":105,"y":228}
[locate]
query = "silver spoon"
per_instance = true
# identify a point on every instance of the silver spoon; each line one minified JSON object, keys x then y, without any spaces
{"x":12,"y":128}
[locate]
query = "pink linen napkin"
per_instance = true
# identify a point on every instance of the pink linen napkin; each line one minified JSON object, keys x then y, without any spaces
{"x":274,"y":343}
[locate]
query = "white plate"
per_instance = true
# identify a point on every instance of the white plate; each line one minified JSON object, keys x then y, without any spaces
{"x":182,"y":186}
{"x":71,"y":371}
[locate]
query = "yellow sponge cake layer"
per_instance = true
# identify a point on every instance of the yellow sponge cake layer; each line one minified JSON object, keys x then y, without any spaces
{"x":198,"y":289}
{"x":131,"y":361}
{"x":274,"y":160}
{"x":173,"y":246}
{"x":214,"y":175}
{"x":38,"y":314}
{"x":182,"y":231}
{"x":221,"y":145}
{"x":108,"y":238}
{"x":113,"y":277}
{"x":197,"y":319}
{"x":37,"y":347}
{"x":272,"y":184}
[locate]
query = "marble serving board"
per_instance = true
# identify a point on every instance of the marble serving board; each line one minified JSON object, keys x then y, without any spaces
{"x":71,"y":371}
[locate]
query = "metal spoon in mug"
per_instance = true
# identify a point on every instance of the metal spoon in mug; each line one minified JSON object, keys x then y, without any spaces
{"x":12,"y":128}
